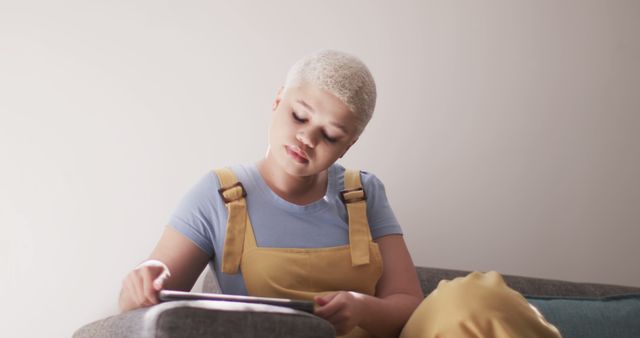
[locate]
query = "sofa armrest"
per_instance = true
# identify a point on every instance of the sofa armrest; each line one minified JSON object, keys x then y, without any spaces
{"x":530,"y":286}
{"x":209,"y":319}
{"x":128,"y":324}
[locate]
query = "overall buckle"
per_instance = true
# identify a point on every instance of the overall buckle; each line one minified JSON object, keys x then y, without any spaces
{"x":221,"y":191}
{"x":354,"y":199}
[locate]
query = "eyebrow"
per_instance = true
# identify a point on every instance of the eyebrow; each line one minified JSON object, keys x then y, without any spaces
{"x":308,"y":107}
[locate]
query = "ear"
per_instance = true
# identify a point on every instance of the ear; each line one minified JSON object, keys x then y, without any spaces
{"x":276,"y":101}
{"x":349,"y":147}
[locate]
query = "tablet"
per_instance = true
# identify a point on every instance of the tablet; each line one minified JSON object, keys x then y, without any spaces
{"x":302,"y":305}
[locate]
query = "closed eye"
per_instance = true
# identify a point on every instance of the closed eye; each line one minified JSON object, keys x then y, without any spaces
{"x":329,"y":139}
{"x":303,"y":120}
{"x":298,"y":118}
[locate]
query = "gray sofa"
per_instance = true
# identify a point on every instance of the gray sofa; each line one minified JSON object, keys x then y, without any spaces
{"x":226,"y":319}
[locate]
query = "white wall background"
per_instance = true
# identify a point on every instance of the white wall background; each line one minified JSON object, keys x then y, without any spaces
{"x":506,"y":132}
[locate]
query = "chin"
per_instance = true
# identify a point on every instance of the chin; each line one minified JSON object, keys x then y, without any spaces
{"x":290,"y":167}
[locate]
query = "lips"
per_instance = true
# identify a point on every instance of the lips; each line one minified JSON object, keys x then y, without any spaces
{"x":297,"y":154}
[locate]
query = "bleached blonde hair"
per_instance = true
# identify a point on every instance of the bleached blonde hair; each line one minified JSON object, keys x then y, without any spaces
{"x":343,"y":75}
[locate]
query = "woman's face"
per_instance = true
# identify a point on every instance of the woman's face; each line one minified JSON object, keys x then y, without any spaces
{"x":310,"y":129}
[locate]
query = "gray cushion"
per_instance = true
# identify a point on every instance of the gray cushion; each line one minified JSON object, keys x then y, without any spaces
{"x":586,"y":318}
{"x":210,"y":319}
{"x":529,"y":286}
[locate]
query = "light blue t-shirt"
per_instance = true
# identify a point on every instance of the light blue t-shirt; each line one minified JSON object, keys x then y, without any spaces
{"x":202,"y":217}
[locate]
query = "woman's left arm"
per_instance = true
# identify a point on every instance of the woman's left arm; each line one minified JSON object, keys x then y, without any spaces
{"x":398,"y":293}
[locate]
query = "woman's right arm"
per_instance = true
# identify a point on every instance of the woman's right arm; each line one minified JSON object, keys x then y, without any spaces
{"x":175,"y":264}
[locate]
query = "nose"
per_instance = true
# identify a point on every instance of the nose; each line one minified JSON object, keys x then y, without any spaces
{"x":307,"y":138}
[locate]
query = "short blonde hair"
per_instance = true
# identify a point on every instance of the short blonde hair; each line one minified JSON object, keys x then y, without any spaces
{"x":343,"y":75}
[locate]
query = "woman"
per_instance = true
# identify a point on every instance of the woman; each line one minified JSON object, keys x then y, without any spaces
{"x":296,"y":224}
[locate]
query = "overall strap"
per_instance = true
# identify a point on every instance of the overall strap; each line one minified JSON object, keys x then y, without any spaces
{"x":233,"y":194}
{"x":354,"y":197}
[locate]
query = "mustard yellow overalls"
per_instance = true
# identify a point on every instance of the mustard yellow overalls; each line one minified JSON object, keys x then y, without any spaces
{"x":479,"y":305}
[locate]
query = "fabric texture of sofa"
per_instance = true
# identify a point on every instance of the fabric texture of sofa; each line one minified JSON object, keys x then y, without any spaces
{"x":577,"y":309}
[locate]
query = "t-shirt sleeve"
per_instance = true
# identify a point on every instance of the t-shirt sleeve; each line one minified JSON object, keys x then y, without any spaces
{"x":196,"y":212}
{"x":382,"y":220}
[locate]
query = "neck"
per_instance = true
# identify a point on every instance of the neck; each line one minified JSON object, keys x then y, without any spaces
{"x":295,"y":189}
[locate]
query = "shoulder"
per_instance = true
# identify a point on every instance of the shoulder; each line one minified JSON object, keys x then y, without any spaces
{"x":241,"y":171}
{"x":208,"y":184}
{"x":370,"y":181}
{"x":380,"y":215}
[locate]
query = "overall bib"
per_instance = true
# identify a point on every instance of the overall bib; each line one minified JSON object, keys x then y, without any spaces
{"x":478,"y":305}
{"x":301,"y":273}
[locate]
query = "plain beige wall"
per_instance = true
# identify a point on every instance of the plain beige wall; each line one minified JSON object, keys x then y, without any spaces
{"x":506,"y":132}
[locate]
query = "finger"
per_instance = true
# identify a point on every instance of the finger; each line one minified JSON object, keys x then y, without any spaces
{"x":332,"y":307}
{"x":319,"y":300}
{"x":129,"y":292}
{"x":136,"y":288}
{"x":324,"y":299}
{"x":343,"y":315}
{"x":150,"y":293}
{"x":126,"y":286}
{"x":329,"y":297}
{"x":158,"y":283}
